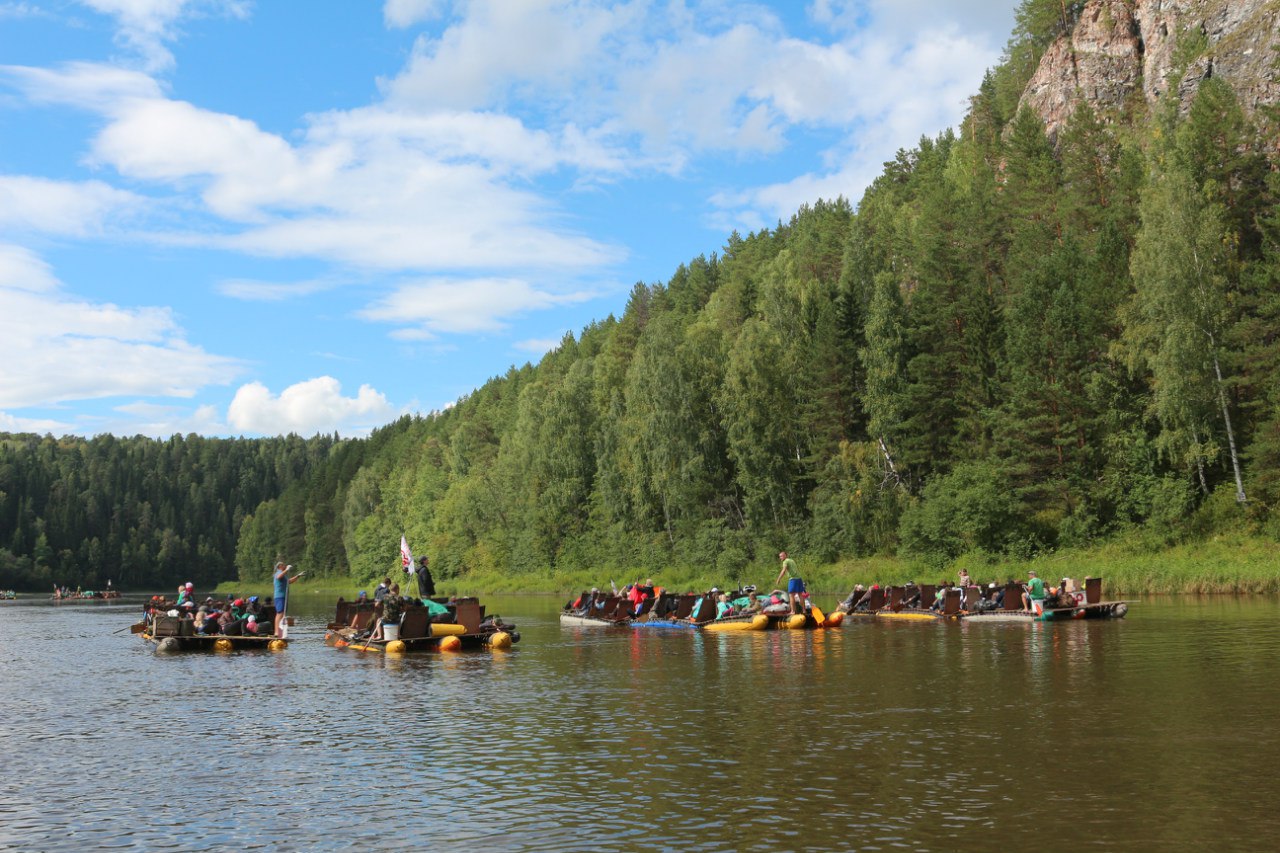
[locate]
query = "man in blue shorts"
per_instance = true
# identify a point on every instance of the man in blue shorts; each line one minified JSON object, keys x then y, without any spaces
{"x":281,"y":592}
{"x":795,"y":586}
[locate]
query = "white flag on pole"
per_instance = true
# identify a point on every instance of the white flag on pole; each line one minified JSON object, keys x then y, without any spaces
{"x":406,"y":556}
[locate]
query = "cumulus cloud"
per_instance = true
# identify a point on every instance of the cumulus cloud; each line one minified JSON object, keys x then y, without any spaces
{"x":144,"y":27}
{"x":12,"y":423}
{"x":368,"y":188}
{"x":499,"y":46}
{"x":463,"y":306}
{"x":160,"y":421}
{"x":437,"y":177}
{"x":270,"y":291}
{"x":899,"y":19}
{"x":72,"y":349}
{"x":886,"y":93}
{"x":309,"y":407}
{"x":17,"y":11}
{"x":23,"y":269}
{"x":406,"y":13}
{"x":89,"y":86}
{"x":61,"y":207}
{"x":538,"y":346}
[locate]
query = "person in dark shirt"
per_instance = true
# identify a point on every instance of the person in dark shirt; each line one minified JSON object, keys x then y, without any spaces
{"x":426,"y":584}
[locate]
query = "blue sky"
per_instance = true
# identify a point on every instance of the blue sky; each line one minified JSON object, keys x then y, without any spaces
{"x":254,"y":218}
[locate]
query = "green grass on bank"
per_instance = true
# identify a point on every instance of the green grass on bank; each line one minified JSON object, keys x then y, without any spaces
{"x":1230,"y":563}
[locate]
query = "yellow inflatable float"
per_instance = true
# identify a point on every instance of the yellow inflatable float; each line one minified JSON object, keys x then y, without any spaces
{"x":757,"y":623}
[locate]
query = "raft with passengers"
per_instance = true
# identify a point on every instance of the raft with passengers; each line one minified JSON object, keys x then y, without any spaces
{"x":645,"y":606}
{"x":1009,"y":602}
{"x":64,"y":594}
{"x":393,"y":624}
{"x":231,"y":624}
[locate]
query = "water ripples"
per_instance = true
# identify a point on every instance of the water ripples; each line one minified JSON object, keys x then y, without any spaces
{"x":873,"y":737}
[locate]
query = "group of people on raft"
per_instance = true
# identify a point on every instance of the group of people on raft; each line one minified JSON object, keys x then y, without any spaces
{"x":66,"y":593}
{"x":1035,"y":595}
{"x":234,"y":616}
{"x":389,"y":605}
{"x":744,"y":601}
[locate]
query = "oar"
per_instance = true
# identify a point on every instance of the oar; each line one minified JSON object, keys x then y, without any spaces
{"x":136,"y":628}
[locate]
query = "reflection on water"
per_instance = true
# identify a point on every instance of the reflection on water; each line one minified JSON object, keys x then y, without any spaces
{"x":1152,"y":733}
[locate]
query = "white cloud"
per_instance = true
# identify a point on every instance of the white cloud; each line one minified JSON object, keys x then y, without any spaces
{"x":61,"y":207}
{"x":309,"y":407}
{"x":10,"y":423}
{"x":70,"y":349}
{"x":439,"y":178}
{"x":893,"y":93}
{"x":406,"y":13}
{"x":458,"y":306}
{"x":161,"y":421}
{"x":370,"y":188}
{"x":90,"y":86}
{"x":538,"y":346}
{"x":498,"y":46}
{"x":23,"y":269}
{"x":270,"y":291}
{"x":145,"y":26}
{"x":899,"y":20}
{"x":17,"y":11}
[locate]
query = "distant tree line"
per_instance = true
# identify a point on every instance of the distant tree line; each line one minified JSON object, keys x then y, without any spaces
{"x":142,"y":513}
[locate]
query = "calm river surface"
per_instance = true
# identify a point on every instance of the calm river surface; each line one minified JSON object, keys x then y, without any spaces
{"x":1159,"y":732}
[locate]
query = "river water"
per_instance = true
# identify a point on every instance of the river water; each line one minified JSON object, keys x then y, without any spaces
{"x":1158,"y":732}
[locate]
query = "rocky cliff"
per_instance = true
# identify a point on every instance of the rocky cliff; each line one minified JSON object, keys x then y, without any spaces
{"x":1122,"y":49}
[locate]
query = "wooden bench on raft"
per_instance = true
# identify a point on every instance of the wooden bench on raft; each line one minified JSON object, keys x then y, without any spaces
{"x":686,"y":606}
{"x":895,"y":598}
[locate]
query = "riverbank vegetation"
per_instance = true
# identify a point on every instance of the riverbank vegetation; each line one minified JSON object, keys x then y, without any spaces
{"x":1017,"y":350}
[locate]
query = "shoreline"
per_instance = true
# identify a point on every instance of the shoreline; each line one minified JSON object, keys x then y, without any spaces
{"x":1228,"y":564}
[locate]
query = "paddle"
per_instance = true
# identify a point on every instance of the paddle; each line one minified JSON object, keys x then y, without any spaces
{"x":818,"y":615}
{"x":135,"y":628}
{"x":369,"y":639}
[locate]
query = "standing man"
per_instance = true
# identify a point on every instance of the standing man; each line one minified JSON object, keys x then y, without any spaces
{"x":281,"y":591}
{"x":1033,"y":598}
{"x":795,"y":585}
{"x":426,"y":584}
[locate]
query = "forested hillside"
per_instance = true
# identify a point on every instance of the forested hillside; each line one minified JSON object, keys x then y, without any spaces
{"x":142,"y":513}
{"x":1015,"y":342}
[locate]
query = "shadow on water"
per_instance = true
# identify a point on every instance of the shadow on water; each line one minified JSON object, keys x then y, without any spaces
{"x":1151,"y":733}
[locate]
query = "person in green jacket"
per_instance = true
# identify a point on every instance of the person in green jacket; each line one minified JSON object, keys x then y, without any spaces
{"x":1033,"y":598}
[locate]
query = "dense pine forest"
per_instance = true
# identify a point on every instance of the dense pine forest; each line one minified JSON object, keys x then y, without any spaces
{"x":144,"y":514}
{"x":1014,"y":343}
